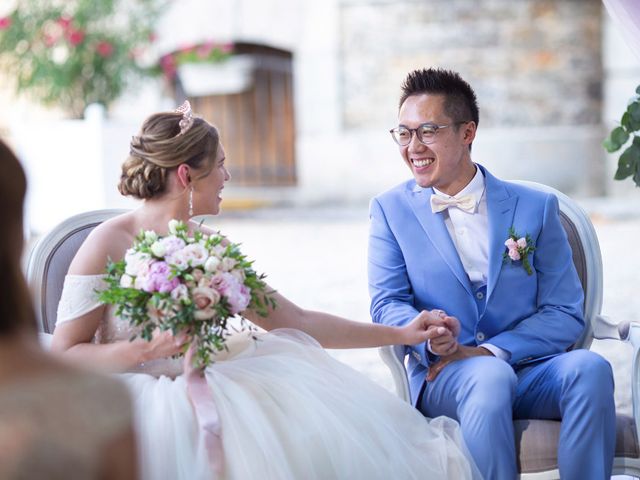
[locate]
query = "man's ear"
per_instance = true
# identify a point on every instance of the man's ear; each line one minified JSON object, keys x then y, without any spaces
{"x":469,"y":130}
{"x":184,"y":176}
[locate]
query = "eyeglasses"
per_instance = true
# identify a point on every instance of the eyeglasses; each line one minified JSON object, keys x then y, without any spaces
{"x":426,"y":133}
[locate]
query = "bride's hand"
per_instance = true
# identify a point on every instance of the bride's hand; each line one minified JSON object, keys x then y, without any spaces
{"x":164,"y":345}
{"x":448,"y":321}
{"x":426,"y":325}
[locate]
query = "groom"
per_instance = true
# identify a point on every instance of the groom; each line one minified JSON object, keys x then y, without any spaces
{"x":438,"y":241}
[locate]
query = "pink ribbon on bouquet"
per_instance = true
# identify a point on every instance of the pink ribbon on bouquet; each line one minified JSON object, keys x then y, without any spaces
{"x":206,"y":412}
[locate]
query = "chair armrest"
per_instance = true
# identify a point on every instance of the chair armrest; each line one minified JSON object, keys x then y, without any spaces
{"x":393,"y":357}
{"x":605,"y":329}
{"x":630,"y":332}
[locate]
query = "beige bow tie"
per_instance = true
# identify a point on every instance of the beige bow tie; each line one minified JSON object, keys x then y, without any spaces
{"x":466,"y":203}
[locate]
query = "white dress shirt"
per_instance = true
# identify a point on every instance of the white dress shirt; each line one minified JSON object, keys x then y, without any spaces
{"x":470,"y":235}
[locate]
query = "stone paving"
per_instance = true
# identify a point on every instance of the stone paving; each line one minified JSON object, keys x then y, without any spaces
{"x":317,"y":258}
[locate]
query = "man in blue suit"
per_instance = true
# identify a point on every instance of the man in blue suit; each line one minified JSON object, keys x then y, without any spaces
{"x":494,"y":255}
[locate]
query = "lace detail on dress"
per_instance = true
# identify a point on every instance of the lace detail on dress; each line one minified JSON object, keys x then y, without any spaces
{"x":57,"y":427}
{"x":79,"y":296}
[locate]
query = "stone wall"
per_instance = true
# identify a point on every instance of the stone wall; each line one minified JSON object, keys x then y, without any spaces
{"x":532,"y":62}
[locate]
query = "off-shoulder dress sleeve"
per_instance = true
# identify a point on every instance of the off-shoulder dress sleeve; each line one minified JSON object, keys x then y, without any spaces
{"x":79,"y":296}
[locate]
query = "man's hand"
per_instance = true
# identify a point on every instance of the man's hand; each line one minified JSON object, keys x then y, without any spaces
{"x":461,"y":353}
{"x":444,"y":343}
{"x":423,"y":327}
{"x":435,"y":326}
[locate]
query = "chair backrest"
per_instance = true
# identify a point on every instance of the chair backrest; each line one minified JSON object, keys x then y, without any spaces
{"x":50,"y":258}
{"x":586,"y":256}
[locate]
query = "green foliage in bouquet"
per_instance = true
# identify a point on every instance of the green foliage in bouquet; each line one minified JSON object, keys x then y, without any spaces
{"x":76,"y":52}
{"x":189,"y":285}
{"x":627,"y":133}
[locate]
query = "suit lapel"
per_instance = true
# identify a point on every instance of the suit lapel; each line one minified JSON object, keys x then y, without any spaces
{"x":433,"y":224}
{"x":501,"y":206}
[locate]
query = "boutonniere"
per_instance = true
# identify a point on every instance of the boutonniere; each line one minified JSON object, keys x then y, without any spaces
{"x":519,"y":248}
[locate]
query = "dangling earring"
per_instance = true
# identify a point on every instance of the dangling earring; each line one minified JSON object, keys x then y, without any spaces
{"x":191,"y":202}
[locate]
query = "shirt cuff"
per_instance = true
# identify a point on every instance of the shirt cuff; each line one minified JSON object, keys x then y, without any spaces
{"x":497,"y":351}
{"x":430,"y":356}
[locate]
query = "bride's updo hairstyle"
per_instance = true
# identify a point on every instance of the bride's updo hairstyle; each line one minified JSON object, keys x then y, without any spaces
{"x":15,"y":304}
{"x":163,"y":144}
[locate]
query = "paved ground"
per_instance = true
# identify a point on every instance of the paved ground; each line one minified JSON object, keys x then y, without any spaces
{"x":317,"y":258}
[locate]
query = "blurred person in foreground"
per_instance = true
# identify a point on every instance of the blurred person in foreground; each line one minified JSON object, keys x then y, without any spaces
{"x":56,"y":422}
{"x":494,"y":255}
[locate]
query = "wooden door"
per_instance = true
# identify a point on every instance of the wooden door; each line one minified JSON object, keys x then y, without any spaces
{"x":257,"y":125}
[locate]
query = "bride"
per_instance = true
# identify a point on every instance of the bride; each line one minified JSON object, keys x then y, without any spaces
{"x":282,"y":407}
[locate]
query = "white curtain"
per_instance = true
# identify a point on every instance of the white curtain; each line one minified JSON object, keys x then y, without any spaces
{"x":626,"y":16}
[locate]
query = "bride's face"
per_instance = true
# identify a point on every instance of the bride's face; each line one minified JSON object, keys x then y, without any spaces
{"x":207,"y":191}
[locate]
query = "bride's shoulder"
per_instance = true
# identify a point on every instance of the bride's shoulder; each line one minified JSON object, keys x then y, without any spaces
{"x":109,"y":240}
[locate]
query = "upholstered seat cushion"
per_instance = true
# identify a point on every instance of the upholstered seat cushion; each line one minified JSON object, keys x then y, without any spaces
{"x":537,"y":443}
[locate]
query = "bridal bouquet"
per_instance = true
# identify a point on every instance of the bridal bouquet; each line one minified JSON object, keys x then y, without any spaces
{"x":189,"y":285}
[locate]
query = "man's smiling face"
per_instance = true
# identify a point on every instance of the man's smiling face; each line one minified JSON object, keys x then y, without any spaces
{"x":446,"y":163}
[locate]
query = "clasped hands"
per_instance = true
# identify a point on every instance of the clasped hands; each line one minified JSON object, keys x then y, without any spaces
{"x":441,"y":331}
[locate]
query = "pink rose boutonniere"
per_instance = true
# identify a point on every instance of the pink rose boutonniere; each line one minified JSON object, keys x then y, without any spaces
{"x":519,"y":248}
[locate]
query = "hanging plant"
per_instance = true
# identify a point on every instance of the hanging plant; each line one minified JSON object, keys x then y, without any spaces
{"x":627,"y":134}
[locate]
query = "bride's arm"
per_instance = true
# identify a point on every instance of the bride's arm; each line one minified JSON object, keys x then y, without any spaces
{"x":73,"y":338}
{"x":337,"y":332}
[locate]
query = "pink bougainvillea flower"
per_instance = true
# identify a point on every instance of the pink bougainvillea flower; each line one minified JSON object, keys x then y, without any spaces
{"x":168,"y":65}
{"x":5,"y":22}
{"x":205,"y":49}
{"x":49,"y":40}
{"x":75,"y":37}
{"x":65,"y":22}
{"x":104,"y":48}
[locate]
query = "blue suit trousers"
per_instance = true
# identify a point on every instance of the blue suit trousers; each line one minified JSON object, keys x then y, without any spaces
{"x":485,"y":394}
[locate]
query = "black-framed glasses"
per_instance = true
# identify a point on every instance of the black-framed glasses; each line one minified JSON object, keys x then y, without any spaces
{"x":426,"y":133}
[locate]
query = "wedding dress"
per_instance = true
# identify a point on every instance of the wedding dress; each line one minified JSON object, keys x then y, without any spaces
{"x":287,"y":410}
{"x":56,"y":426}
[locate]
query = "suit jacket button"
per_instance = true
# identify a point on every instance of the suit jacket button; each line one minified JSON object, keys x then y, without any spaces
{"x":479,"y":295}
{"x":480,"y":336}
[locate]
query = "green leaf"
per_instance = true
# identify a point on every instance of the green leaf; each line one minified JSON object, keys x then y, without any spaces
{"x":636,"y":176}
{"x":634,"y":110}
{"x":609,"y":146}
{"x":619,"y":136}
{"x":627,"y":164}
{"x":629,"y":123}
{"x":638,"y":89}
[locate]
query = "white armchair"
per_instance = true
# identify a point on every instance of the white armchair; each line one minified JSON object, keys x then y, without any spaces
{"x":49,"y":261}
{"x":537,"y":440}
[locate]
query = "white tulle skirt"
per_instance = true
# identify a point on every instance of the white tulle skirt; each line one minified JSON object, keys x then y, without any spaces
{"x":289,"y":410}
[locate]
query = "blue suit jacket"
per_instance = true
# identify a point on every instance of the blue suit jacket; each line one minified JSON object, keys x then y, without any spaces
{"x":413,"y":265}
